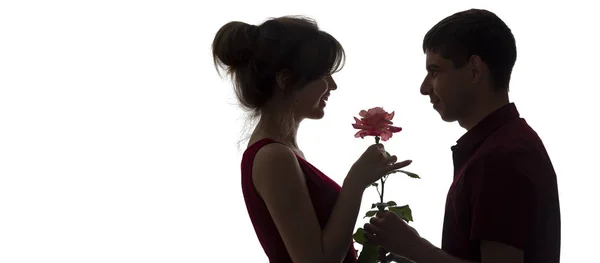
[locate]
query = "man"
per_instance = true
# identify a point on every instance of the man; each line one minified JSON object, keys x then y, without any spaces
{"x":503,"y":203}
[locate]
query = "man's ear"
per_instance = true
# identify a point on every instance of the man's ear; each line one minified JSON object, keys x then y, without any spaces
{"x":477,"y":68}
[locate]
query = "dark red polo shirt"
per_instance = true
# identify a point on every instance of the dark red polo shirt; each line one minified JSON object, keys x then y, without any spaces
{"x":504,"y":190}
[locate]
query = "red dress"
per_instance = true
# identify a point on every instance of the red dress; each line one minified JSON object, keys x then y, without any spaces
{"x":323,"y":193}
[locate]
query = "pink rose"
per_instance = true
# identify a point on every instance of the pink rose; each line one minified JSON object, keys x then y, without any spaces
{"x":375,"y":122}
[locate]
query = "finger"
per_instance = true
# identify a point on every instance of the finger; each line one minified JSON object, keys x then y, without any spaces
{"x":389,"y":217}
{"x":379,"y":224}
{"x":381,"y":214}
{"x":370,"y":228}
{"x":390,"y":160}
{"x":377,"y":146}
{"x":396,"y":166}
{"x":375,"y":149}
{"x":376,"y":222}
{"x":372,"y":238}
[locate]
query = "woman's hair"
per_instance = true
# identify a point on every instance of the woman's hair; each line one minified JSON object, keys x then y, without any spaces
{"x":254,"y":55}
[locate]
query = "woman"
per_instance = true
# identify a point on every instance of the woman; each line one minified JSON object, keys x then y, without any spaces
{"x":282,"y":72}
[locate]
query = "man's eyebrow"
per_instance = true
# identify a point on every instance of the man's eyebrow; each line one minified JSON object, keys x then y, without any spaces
{"x":430,"y":67}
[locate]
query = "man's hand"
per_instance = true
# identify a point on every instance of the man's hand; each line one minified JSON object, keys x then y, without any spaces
{"x":392,"y":233}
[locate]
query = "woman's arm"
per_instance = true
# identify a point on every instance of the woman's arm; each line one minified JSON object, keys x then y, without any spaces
{"x":280,"y":181}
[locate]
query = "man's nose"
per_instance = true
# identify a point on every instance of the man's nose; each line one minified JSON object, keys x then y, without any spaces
{"x":426,"y":87}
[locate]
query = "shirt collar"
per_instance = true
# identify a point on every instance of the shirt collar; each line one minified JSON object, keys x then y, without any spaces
{"x":489,"y":124}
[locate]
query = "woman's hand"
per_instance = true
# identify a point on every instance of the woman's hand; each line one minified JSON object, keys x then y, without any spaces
{"x":373,"y":164}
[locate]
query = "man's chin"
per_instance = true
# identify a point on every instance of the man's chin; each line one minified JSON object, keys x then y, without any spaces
{"x":446,"y":117}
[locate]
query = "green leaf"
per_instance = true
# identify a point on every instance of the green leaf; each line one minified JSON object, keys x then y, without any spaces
{"x":403,"y":212}
{"x":368,"y":254}
{"x":413,"y":175}
{"x":391,"y":203}
{"x":359,"y":236}
{"x":392,"y":172}
{"x":371,"y":213}
{"x":380,"y":206}
{"x":373,"y":206}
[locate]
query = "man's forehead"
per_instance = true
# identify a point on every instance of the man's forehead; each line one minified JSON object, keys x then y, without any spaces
{"x":433,"y":59}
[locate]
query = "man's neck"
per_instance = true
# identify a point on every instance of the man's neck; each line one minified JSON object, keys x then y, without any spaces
{"x":483,"y":109}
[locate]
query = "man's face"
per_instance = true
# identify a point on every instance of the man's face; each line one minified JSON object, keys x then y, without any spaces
{"x":451,"y":90}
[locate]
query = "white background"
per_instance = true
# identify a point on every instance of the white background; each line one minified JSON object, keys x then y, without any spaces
{"x":118,"y":140}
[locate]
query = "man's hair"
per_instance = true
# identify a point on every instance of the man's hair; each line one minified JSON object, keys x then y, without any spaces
{"x":475,"y":32}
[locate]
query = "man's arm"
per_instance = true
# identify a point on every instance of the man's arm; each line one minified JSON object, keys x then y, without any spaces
{"x":491,"y":252}
{"x":502,"y":197}
{"x":501,"y":202}
{"x":501,"y":205}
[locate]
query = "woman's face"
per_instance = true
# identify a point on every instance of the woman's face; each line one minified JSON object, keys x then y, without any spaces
{"x":311,"y":100}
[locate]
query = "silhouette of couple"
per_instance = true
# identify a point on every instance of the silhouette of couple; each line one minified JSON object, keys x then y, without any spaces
{"x":503,"y":203}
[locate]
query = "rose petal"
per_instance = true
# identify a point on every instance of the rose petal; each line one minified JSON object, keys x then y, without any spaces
{"x":390,"y":116}
{"x":384,"y":137}
{"x":362,"y":126}
{"x":394,"y":129}
{"x":358,"y":134}
{"x":375,"y":122}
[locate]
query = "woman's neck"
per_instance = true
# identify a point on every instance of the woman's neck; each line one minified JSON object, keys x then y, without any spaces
{"x":281,"y":130}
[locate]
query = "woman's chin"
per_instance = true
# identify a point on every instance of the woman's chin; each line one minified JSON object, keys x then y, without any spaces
{"x":317,"y":114}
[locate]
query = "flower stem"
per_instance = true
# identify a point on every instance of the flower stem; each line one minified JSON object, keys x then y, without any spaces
{"x":381,"y":207}
{"x":382,"y":189}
